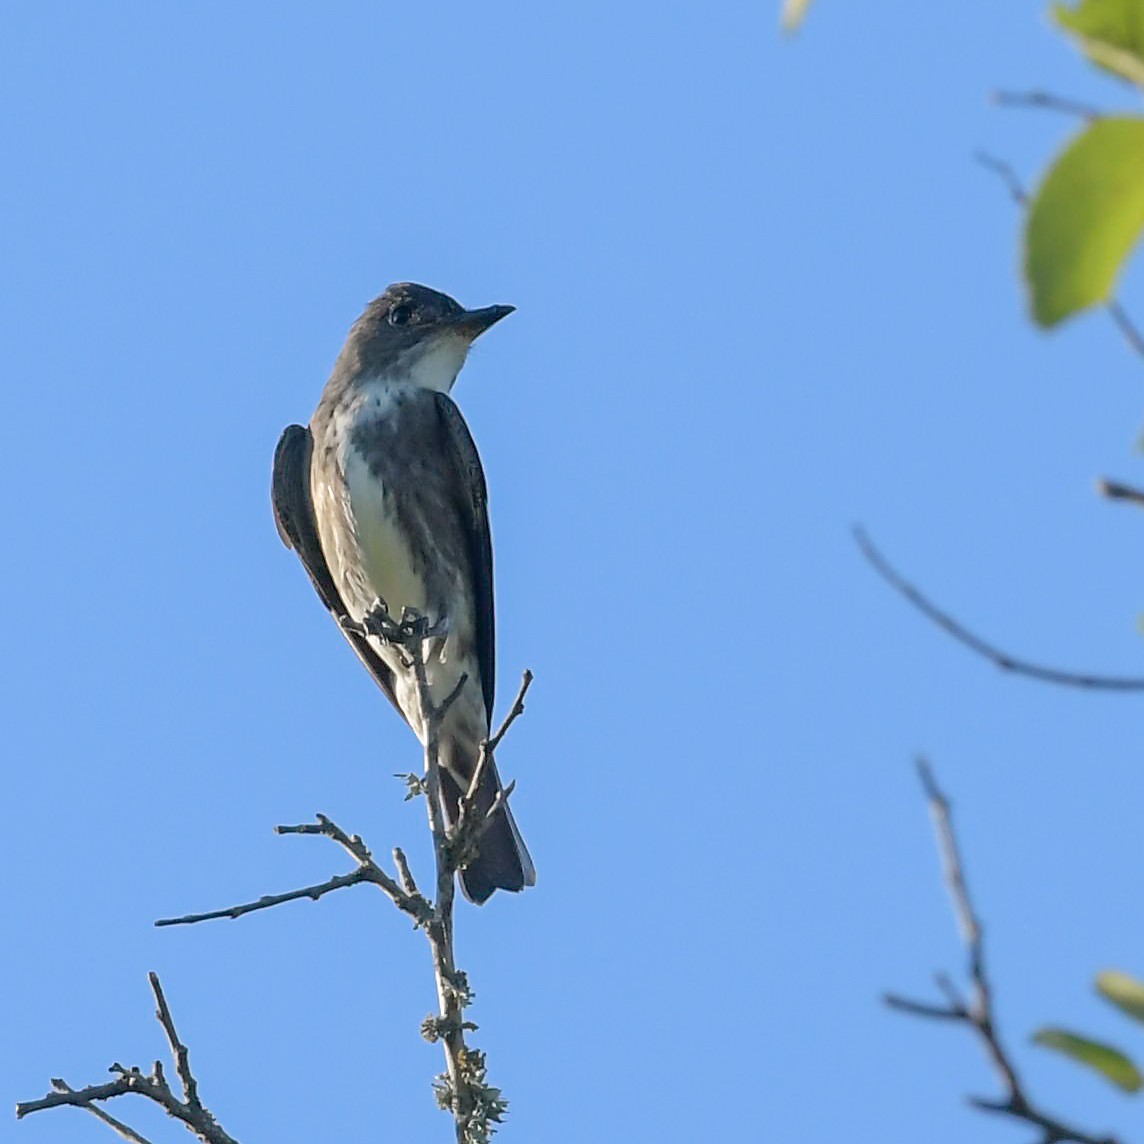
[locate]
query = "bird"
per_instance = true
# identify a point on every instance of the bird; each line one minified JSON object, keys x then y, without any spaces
{"x":383,"y":499}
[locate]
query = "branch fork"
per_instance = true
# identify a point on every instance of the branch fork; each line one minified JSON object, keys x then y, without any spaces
{"x":189,"y":1108}
{"x":977,"y":1012}
{"x":463,"y":1088}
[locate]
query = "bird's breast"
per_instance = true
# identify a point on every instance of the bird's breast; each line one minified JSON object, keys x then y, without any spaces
{"x":387,"y":555}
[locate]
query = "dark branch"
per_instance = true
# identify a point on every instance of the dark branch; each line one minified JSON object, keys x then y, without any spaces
{"x":515,"y":711}
{"x":190,"y":1110}
{"x":1114,"y":490}
{"x":963,"y":635}
{"x":124,"y":1130}
{"x":338,"y":882}
{"x":978,"y":1014}
{"x":1046,"y":101}
{"x":179,"y":1052}
{"x":367,"y":871}
{"x":1007,"y":175}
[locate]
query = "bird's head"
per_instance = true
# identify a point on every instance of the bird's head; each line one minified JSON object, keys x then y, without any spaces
{"x":414,"y":334}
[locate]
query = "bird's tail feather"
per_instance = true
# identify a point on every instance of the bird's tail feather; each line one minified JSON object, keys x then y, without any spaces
{"x":502,"y":861}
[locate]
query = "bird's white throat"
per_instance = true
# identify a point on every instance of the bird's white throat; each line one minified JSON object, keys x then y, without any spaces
{"x":433,"y":366}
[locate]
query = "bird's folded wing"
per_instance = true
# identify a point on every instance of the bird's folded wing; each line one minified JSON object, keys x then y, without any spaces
{"x":294,"y":516}
{"x":472,"y":507}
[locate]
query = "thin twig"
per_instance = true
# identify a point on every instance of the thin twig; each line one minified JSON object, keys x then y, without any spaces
{"x":190,"y":1110}
{"x":468,"y":829}
{"x":404,"y":873}
{"x":515,"y":711}
{"x":923,"y":1008}
{"x":1127,"y":327}
{"x":1007,"y":175}
{"x":124,"y":1130}
{"x":338,"y":882}
{"x":1115,"y":490}
{"x":963,"y":635}
{"x":978,"y":1014}
{"x":1046,"y":101}
{"x":179,"y":1052}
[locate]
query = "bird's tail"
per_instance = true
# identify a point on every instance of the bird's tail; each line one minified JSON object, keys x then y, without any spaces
{"x":502,"y":861}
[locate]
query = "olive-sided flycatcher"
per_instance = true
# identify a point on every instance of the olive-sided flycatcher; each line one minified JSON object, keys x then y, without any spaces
{"x":383,"y":497}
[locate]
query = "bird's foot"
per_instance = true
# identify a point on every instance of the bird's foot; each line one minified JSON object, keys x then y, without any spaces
{"x":378,"y":622}
{"x":349,"y":624}
{"x":410,"y":630}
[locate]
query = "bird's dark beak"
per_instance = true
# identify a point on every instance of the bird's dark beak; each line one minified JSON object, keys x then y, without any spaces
{"x":472,"y":323}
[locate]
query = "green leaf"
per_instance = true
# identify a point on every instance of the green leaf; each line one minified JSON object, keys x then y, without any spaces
{"x":1123,"y":990}
{"x":1111,"y":1063}
{"x":794,"y":12}
{"x":1085,"y":219}
{"x":1111,"y":33}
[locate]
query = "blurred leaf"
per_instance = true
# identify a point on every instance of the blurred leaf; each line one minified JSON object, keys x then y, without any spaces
{"x":1111,"y":32}
{"x":794,"y":11}
{"x":1123,"y":990}
{"x":1085,"y":218}
{"x":1112,"y":1064}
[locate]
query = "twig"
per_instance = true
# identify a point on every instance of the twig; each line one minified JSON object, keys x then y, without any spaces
{"x":267,"y":900}
{"x":367,"y":871}
{"x":190,"y":1110}
{"x":468,"y":829}
{"x":1127,"y":327}
{"x":515,"y":711}
{"x":1045,"y":101}
{"x":978,"y":1014}
{"x":994,"y":654}
{"x":1007,"y":175}
{"x":125,"y":1130}
{"x":1114,"y":490}
{"x":179,"y":1053}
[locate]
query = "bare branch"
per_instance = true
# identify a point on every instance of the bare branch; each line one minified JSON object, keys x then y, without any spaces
{"x":1046,"y":101}
{"x":1007,"y":175}
{"x":1114,"y":490}
{"x":922,"y":1008}
{"x":978,"y":1014}
{"x":124,"y":1130}
{"x":515,"y":711}
{"x":179,"y":1052}
{"x":1128,"y":329}
{"x":963,"y":635}
{"x":338,"y":882}
{"x":403,"y":871}
{"x":190,"y":1111}
{"x":1126,"y":326}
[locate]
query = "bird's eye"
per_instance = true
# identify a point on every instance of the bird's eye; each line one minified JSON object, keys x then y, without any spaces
{"x":400,"y":315}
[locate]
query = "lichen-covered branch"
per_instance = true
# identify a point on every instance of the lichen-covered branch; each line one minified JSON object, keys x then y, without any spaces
{"x":187,"y":1108}
{"x":977,"y":1011}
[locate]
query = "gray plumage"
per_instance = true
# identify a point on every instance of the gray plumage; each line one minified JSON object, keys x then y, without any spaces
{"x":384,"y":496}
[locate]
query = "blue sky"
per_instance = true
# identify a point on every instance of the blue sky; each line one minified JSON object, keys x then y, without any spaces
{"x":764,"y":292}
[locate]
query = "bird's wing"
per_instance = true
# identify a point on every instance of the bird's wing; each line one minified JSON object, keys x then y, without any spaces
{"x":294,"y":516}
{"x":473,"y":515}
